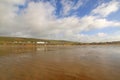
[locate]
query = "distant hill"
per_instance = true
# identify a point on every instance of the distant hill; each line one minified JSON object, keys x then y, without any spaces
{"x":51,"y":42}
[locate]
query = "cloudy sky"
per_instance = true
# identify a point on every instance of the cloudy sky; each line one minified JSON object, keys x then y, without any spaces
{"x":74,"y":20}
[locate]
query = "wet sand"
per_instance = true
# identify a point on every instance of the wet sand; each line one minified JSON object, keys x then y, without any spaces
{"x":60,"y":63}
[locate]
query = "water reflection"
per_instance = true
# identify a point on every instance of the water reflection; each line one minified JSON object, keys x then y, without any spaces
{"x":60,"y":63}
{"x":16,"y":50}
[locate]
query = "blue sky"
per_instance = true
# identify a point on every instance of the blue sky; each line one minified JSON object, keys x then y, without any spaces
{"x":74,"y":20}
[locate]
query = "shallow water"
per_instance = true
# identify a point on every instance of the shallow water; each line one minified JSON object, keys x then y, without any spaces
{"x":60,"y":63}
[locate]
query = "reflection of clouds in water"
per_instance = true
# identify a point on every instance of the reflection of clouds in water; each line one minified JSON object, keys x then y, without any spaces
{"x":16,"y":50}
{"x":40,"y":48}
{"x":25,"y":56}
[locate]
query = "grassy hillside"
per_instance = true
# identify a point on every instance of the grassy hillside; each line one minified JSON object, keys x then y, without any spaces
{"x":53,"y":42}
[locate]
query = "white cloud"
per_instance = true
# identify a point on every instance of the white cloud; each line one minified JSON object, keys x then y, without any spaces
{"x":101,"y":37}
{"x":12,"y":1}
{"x":96,"y":22}
{"x":8,"y":17}
{"x":101,"y":34}
{"x":107,"y":8}
{"x":38,"y":20}
{"x":78,"y":4}
{"x":69,"y":5}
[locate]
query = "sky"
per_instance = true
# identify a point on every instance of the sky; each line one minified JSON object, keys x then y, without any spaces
{"x":72,"y":20}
